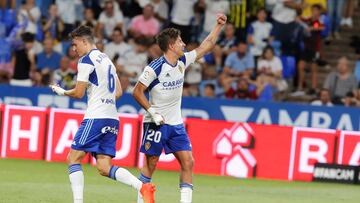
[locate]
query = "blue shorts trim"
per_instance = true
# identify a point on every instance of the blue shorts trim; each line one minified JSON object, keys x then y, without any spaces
{"x":97,"y":136}
{"x":171,"y":138}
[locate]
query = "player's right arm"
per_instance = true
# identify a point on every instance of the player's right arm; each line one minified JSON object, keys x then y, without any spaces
{"x":210,"y":41}
{"x":145,"y":79}
{"x":119,"y":91}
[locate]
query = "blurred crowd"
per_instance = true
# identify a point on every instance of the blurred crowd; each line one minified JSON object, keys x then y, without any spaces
{"x":266,"y":51}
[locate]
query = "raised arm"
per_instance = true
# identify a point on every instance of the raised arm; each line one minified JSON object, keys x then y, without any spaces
{"x":210,"y":41}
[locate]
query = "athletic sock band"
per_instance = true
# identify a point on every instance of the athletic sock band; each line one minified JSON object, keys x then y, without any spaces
{"x":112,"y":172}
{"x":144,"y":178}
{"x":186,"y":185}
{"x":74,"y":168}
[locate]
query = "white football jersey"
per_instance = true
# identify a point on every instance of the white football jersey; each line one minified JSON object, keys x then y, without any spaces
{"x":165,"y":84}
{"x":97,"y":69}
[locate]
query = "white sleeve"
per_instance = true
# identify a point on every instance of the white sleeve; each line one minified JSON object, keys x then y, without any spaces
{"x":84,"y":71}
{"x":147,"y":76}
{"x":190,"y":57}
{"x":102,"y":18}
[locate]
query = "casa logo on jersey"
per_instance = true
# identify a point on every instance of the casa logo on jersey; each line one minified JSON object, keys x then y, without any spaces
{"x":109,"y":129}
{"x":170,"y":85}
{"x":232,"y":146}
{"x":147,"y":146}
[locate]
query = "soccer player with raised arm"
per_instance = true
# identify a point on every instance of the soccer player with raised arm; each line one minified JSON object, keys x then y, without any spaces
{"x":98,"y":131}
{"x":163,"y":127}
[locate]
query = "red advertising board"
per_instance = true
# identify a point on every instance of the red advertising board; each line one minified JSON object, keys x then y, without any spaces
{"x":349,"y":148}
{"x":309,"y":146}
{"x":23,"y":132}
{"x":220,"y":148}
{"x":63,"y":125}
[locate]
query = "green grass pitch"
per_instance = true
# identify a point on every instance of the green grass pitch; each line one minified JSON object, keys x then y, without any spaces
{"x":39,"y":181}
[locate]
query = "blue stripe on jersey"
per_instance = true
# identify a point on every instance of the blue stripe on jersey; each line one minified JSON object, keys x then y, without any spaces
{"x":93,"y":78}
{"x":183,"y":59}
{"x":153,"y":83}
{"x":156,"y":65}
{"x":86,"y":59}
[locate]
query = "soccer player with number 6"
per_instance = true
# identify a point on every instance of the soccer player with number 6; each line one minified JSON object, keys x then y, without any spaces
{"x":163,"y":127}
{"x":98,"y":131}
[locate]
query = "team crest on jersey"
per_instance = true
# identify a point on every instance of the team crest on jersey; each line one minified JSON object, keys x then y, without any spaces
{"x":147,"y":146}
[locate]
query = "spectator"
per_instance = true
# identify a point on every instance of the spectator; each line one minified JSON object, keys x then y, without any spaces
{"x":29,"y":15}
{"x":145,"y":25}
{"x":53,"y":25}
{"x":6,"y":68}
{"x":349,"y":12}
{"x":133,"y":62}
{"x":48,"y":59}
{"x":227,"y":42}
{"x":182,"y":14}
{"x":335,"y":10}
{"x":73,"y":59}
{"x":270,"y":66}
{"x":108,"y":20}
{"x":64,"y":76}
{"x":341,"y":82}
{"x":225,"y":45}
{"x":118,"y":47}
{"x":311,"y":52}
{"x":23,"y":61}
{"x":239,"y":63}
{"x":306,"y":13}
{"x":350,"y":100}
{"x":209,"y":91}
{"x":67,"y":12}
{"x":161,"y":11}
{"x":324,"y":98}
{"x":284,"y":14}
{"x":193,"y":76}
{"x":243,"y":90}
{"x":213,"y":7}
{"x":238,"y":16}
{"x":89,"y":19}
{"x":259,"y":34}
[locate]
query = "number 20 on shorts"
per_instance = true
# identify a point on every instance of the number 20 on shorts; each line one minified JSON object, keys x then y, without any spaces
{"x":153,"y":135}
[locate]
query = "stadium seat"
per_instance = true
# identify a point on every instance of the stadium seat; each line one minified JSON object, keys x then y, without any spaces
{"x":276,"y":45}
{"x":266,"y":94}
{"x":357,"y":70}
{"x":289,"y":66}
{"x":9,"y":19}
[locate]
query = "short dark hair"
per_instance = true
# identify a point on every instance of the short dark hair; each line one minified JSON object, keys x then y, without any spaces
{"x":211,"y":86}
{"x":83,"y":31}
{"x":166,"y":37}
{"x":317,"y":6}
{"x":28,"y":37}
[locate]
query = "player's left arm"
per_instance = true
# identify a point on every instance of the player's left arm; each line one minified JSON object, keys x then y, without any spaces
{"x":210,"y":41}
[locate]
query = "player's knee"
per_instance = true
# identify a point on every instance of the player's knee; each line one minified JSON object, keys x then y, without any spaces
{"x":188,"y":164}
{"x":103,"y":170}
{"x":71,"y":160}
